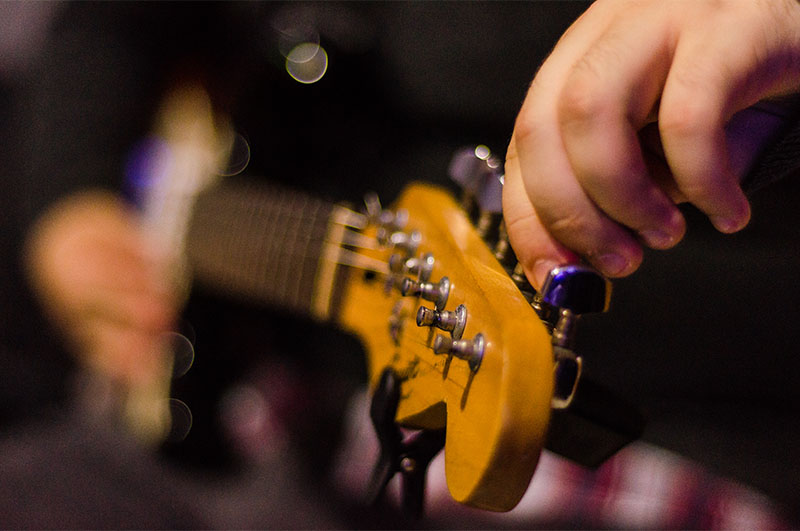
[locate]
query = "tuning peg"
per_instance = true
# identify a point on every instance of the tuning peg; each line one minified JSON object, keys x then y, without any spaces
{"x":407,"y":242}
{"x":422,"y":266}
{"x":372,"y":204}
{"x":488,"y":227}
{"x":453,"y":322}
{"x":577,"y":288}
{"x":571,"y":291}
{"x":502,"y":249}
{"x":524,"y":286}
{"x":387,"y":220}
{"x":567,"y":293}
{"x":435,"y":293}
{"x":465,"y":349}
{"x":479,"y":174}
{"x":566,"y":375}
{"x":399,"y":263}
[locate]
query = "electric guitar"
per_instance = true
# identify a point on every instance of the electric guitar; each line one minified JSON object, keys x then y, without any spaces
{"x":434,"y":293}
{"x":437,"y":302}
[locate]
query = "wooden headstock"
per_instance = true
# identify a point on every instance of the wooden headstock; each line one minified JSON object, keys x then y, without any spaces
{"x":492,"y":386}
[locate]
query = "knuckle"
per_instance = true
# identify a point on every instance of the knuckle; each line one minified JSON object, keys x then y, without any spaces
{"x":528,"y":129}
{"x":567,"y":225}
{"x":683,"y":118}
{"x":580,"y":101}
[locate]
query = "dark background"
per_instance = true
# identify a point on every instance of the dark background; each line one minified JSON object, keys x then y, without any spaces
{"x":703,"y":337}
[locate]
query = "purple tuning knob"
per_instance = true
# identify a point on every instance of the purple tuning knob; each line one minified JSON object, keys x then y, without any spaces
{"x":577,"y":288}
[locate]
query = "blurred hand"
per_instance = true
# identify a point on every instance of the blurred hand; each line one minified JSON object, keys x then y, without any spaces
{"x":627,"y":118}
{"x":92,"y":268}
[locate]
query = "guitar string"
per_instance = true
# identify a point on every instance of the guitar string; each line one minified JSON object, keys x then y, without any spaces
{"x":356,"y":239}
{"x":351,"y":258}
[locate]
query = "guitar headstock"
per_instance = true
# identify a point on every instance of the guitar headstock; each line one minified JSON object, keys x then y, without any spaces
{"x":433,"y":290}
{"x":471,"y":352}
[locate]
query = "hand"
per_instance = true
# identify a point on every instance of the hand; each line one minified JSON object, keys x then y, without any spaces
{"x":627,"y":118}
{"x":91,"y":267}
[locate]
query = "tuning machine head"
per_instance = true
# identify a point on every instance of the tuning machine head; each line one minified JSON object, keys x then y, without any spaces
{"x":421,"y":266}
{"x":435,"y":293}
{"x":480,"y":176}
{"x":566,"y":375}
{"x":470,"y":350}
{"x":577,"y":288}
{"x":408,"y":242}
{"x":386,"y":220}
{"x":453,"y":322}
{"x":567,"y":293}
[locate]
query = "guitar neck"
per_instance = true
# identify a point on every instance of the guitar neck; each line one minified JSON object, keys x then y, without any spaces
{"x":269,"y":245}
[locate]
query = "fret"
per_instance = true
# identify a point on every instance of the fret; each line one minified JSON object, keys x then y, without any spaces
{"x":305,"y":262}
{"x":264,"y":243}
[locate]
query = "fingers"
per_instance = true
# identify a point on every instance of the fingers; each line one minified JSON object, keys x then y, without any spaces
{"x":536,"y":250}
{"x":562,"y":207}
{"x":599,"y":180}
{"x":600,"y":116}
{"x":96,"y":276}
{"x":692,"y":120}
{"x":754,"y":54}
{"x":707,"y":84}
{"x":120,"y":283}
{"x":125,"y":355}
{"x":564,"y":210}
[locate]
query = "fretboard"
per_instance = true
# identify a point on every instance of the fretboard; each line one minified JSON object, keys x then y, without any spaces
{"x":266,"y":244}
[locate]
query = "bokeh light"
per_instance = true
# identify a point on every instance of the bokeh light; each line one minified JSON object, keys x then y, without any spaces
{"x":482,"y":152}
{"x":239,"y":157}
{"x":181,"y":420}
{"x":182,"y":352}
{"x":307,"y":62}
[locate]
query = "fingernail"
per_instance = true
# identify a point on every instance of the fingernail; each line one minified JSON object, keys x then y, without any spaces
{"x":727,"y":225}
{"x":657,"y":239}
{"x":541,"y":268}
{"x":735,"y":222}
{"x":612,"y":264}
